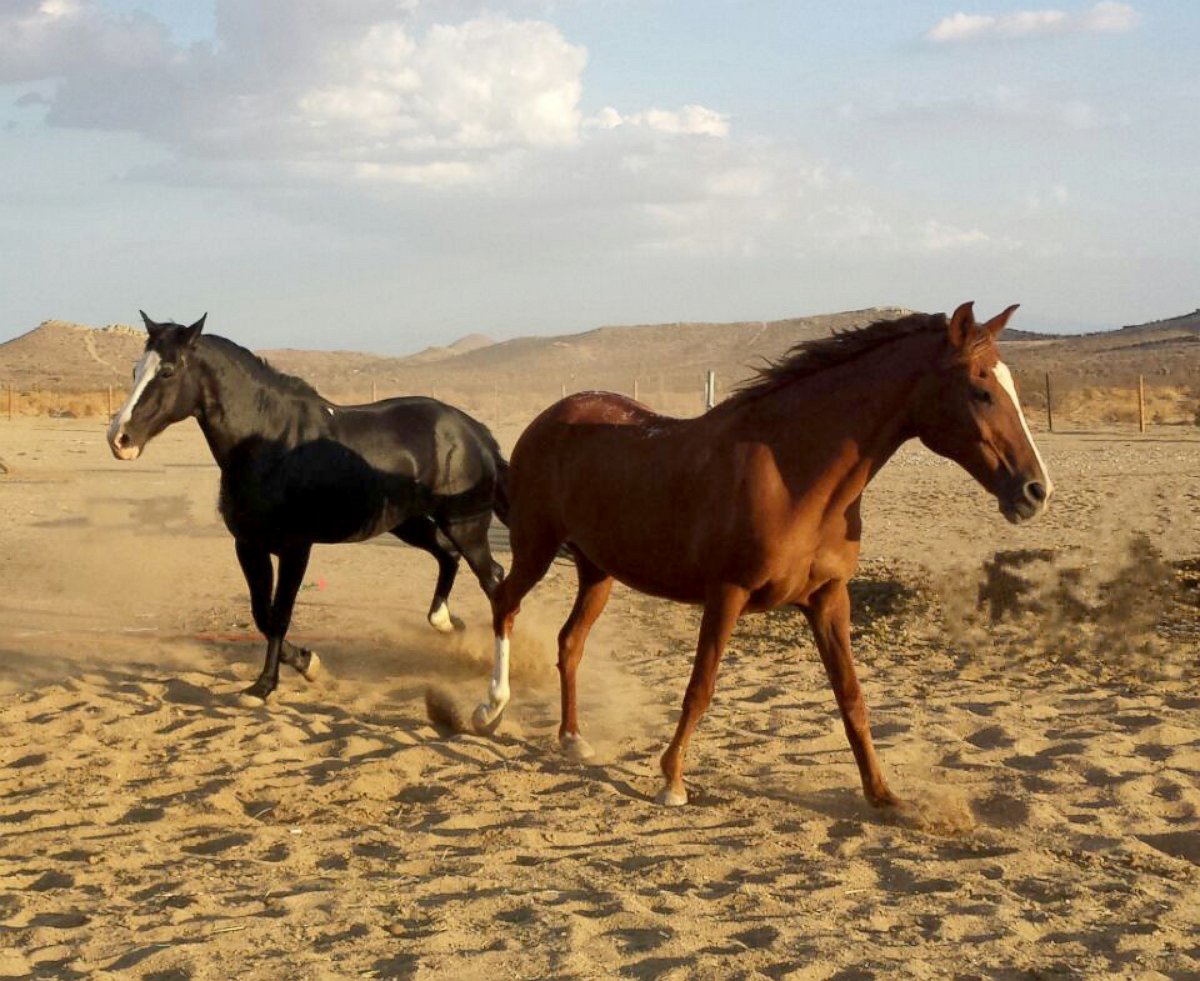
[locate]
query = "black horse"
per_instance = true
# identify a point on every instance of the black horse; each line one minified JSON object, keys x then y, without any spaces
{"x":297,"y":469}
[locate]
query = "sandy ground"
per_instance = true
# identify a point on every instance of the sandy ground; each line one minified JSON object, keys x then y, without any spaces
{"x":1040,"y":709}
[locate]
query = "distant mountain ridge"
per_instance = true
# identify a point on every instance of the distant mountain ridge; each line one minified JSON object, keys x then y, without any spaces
{"x":658,"y":357}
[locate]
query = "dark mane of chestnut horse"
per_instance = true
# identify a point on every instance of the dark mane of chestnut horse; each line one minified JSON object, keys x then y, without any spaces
{"x":811,"y":357}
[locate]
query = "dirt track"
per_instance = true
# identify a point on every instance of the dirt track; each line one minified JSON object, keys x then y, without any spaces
{"x":151,"y":826}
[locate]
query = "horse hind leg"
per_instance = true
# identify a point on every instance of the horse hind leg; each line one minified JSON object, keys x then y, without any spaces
{"x":531,"y":559}
{"x":470,"y":537}
{"x":595,"y":586}
{"x":422,"y":533}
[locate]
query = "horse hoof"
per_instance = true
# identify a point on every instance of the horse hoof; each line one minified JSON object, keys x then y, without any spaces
{"x":445,"y":622}
{"x":669,"y":797}
{"x":313,"y":668}
{"x":251,"y":699}
{"x":576,"y":747}
{"x":886,"y":800}
{"x":483,"y":721}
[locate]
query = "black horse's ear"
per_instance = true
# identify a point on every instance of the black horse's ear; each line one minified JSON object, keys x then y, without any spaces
{"x":191,"y":333}
{"x":152,"y":328}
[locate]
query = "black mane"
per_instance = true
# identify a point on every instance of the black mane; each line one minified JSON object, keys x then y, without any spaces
{"x":811,"y":357}
{"x":258,"y":368}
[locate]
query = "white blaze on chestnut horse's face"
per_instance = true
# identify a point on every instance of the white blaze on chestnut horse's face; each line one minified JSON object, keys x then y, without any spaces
{"x":1005,"y":378}
{"x":143,"y":374}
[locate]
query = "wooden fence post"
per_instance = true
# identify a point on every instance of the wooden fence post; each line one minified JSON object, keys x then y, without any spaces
{"x":635,"y":390}
{"x":1049,"y":406}
{"x":710,"y":390}
{"x":1141,"y":404}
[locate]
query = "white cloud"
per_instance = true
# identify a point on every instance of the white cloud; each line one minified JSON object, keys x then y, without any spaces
{"x":936,"y":236}
{"x":362,"y":115}
{"x":1106,"y":17}
{"x":690,"y":120}
{"x":483,"y":84}
{"x":330,"y":90}
{"x":302,"y":80}
{"x":1001,"y":103}
{"x":1055,"y":196}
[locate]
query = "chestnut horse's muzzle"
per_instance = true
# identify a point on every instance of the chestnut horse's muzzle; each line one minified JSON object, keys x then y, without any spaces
{"x":1029,"y":500}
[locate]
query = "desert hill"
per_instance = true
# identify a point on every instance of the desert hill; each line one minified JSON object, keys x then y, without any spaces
{"x":662,"y":360}
{"x":472,"y":342}
{"x":61,"y":355}
{"x":1165,"y":350}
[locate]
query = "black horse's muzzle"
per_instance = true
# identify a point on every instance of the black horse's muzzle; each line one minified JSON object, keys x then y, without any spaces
{"x":123,"y":446}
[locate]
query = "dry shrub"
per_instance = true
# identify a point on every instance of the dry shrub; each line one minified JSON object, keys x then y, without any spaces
{"x":1090,"y":405}
{"x":62,"y":405}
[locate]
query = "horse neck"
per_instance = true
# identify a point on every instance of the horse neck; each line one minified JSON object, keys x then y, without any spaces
{"x":845,"y":421}
{"x":238,"y":408}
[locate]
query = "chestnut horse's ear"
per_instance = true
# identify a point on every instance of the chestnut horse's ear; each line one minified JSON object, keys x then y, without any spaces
{"x":191,"y":333}
{"x":961,"y":323}
{"x":152,"y":328}
{"x":1000,"y":321}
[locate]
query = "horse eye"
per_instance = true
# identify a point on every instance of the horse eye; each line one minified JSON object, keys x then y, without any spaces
{"x":981,"y":395}
{"x":166,"y":371}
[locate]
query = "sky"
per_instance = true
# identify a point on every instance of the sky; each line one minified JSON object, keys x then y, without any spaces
{"x":385,"y":175}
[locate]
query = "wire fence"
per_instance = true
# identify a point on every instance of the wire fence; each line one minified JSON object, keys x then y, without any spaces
{"x":1063,"y":402}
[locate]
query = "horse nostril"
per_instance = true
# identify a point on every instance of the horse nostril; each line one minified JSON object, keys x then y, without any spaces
{"x":1035,"y":491}
{"x":123,"y":440}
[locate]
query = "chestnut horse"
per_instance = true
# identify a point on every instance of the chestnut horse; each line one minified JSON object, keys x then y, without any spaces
{"x":756,"y":503}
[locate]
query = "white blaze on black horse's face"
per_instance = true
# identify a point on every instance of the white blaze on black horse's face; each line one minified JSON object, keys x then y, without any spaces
{"x":163,"y":391}
{"x":143,"y":374}
{"x":969,"y":412}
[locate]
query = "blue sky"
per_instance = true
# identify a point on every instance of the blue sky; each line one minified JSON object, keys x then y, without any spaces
{"x":389,"y":174}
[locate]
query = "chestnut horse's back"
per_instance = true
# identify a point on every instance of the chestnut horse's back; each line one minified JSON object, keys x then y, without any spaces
{"x":588,"y":463}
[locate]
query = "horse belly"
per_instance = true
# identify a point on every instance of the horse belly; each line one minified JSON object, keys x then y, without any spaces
{"x":316,"y":496}
{"x":657,"y":559}
{"x":655,"y":528}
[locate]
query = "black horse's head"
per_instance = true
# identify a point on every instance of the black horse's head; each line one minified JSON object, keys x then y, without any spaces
{"x":165,"y":388}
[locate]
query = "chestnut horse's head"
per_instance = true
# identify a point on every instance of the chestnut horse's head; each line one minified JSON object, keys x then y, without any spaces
{"x":164,"y":389}
{"x":967,"y":410}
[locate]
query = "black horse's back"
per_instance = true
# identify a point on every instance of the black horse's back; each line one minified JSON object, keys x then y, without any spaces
{"x":451,"y":455}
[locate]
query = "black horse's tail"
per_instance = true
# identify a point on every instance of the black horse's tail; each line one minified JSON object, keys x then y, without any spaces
{"x":500,"y":499}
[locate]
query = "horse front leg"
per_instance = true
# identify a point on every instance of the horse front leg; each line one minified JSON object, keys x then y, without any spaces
{"x":255,"y":561}
{"x":292,"y":564}
{"x":828,"y":614}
